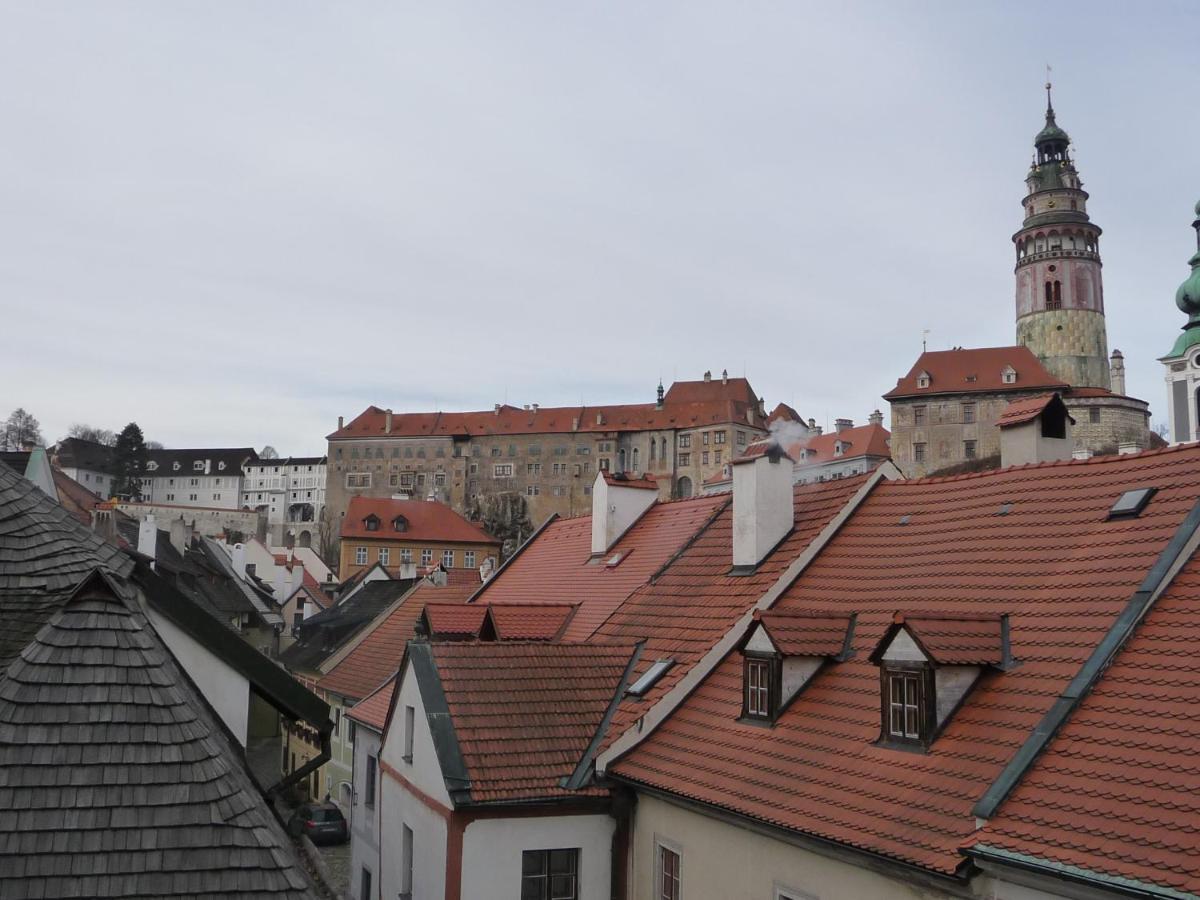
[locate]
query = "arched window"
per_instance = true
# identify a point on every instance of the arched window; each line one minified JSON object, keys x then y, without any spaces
{"x":1058,"y":295}
{"x":684,"y":487}
{"x":653,"y":448}
{"x":621,"y":460}
{"x":663,"y":453}
{"x":635,"y":459}
{"x":1049,"y":295}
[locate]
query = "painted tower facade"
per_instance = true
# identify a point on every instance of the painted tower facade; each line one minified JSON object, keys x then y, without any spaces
{"x":1183,"y":362}
{"x":1060,"y":294}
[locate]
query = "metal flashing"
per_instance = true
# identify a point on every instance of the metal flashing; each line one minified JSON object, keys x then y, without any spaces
{"x":441,"y":725}
{"x":583,"y":770}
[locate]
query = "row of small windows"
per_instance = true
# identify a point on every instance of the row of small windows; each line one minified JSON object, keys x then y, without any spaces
{"x":1042,"y":243}
{"x":405,"y":555}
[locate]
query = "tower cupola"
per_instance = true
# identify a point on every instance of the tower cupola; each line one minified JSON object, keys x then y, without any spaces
{"x":1183,"y":362}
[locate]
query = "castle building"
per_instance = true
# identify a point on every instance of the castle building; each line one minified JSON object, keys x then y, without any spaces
{"x":1183,"y":362}
{"x":944,"y":411}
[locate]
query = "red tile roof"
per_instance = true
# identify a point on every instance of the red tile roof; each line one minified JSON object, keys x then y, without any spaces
{"x":372,"y":710}
{"x":976,"y":370}
{"x":558,"y":567}
{"x":763,"y":448}
{"x":453,"y":621}
{"x":378,"y":654}
{"x":645,"y":482}
{"x":807,"y":634}
{"x":784,"y":412}
{"x":1025,"y":410}
{"x":1117,"y":792}
{"x":428,"y":520}
{"x":686,"y":404}
{"x":695,"y":600}
{"x":951,"y":639}
{"x":528,"y":621}
{"x":1054,"y":562}
{"x":863,"y":440}
{"x":525,"y":713}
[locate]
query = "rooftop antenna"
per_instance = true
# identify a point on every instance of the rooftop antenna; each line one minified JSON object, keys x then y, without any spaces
{"x":924,"y":337}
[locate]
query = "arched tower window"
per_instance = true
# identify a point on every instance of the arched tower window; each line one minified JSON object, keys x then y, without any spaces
{"x":1049,"y":294}
{"x":635,"y":459}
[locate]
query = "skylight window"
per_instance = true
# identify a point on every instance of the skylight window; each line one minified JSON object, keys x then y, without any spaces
{"x":649,"y":678}
{"x":613,"y":561}
{"x":1131,"y":503}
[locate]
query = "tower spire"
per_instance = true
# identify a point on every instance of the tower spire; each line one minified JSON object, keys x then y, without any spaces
{"x":1049,"y":105}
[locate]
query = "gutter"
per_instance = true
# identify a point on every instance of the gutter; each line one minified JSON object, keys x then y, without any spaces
{"x":1178,"y":550}
{"x":1084,"y":878}
{"x":309,"y":767}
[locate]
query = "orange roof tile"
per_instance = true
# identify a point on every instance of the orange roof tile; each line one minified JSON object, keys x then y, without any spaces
{"x":862,"y":440}
{"x":1117,"y":792}
{"x":975,"y":370}
{"x":427,"y":520}
{"x":372,"y":710}
{"x":1034,"y":543}
{"x":558,"y":566}
{"x":952,"y":639}
{"x":378,"y":654}
{"x":807,"y":634}
{"x":1024,"y":410}
{"x":452,"y":621}
{"x":527,"y":621}
{"x":524,"y":714}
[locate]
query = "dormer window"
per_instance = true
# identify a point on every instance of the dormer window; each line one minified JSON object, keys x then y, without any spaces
{"x":838,"y":447}
{"x":151,"y":466}
{"x":198,"y":466}
{"x":928,"y":663}
{"x":175,"y":467}
{"x":221,"y":467}
{"x":782,"y":652}
{"x":399,"y":524}
{"x":1008,"y":375}
{"x":923,"y":380}
{"x":371,"y":523}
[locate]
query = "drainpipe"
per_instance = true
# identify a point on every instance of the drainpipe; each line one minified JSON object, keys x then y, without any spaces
{"x":309,"y":767}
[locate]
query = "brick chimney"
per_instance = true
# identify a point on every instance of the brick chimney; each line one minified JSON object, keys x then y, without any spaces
{"x":763,"y":513}
{"x":616,"y":504}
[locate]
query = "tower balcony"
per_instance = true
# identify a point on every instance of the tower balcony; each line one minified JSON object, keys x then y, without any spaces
{"x":1057,"y":253}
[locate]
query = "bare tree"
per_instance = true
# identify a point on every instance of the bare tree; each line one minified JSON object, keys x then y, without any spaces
{"x":93,"y":434}
{"x":20,"y":431}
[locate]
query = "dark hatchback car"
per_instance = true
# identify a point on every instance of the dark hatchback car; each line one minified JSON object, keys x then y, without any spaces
{"x":322,"y":822}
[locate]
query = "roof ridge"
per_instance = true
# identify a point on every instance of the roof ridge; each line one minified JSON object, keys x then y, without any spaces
{"x":1055,"y":463}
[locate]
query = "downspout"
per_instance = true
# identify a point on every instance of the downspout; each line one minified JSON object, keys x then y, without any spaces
{"x":309,"y":767}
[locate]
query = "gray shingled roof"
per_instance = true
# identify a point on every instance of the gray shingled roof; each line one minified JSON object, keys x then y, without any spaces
{"x":116,"y":779}
{"x":44,"y":554}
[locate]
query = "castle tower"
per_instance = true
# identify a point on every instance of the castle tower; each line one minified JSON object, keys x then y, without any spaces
{"x":1060,"y":295}
{"x":1183,"y":362}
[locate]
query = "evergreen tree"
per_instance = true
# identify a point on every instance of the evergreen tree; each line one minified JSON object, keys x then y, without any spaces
{"x":21,"y":430}
{"x":504,"y":516}
{"x":129,"y":460}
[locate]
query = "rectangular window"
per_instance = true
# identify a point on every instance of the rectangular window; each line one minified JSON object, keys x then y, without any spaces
{"x":358,"y":479}
{"x":969,"y":449}
{"x":758,"y":688}
{"x":704,"y":438}
{"x":704,"y":456}
{"x":550,"y":874}
{"x":426,"y":557}
{"x":406,"y":864}
{"x":685,"y":441}
{"x":360,"y":556}
{"x":741,"y":439}
{"x":448,"y":559}
{"x":502,"y":471}
{"x":364,"y":886}
{"x":668,"y":874}
{"x":717,"y":456}
{"x":968,"y":413}
{"x":410,"y":718}
{"x":718,"y":437}
{"x":369,"y":787}
{"x":405,"y":555}
{"x":439,"y":479}
{"x":685,"y":459}
{"x":905,"y":707}
{"x":1094,"y":415}
{"x":919,"y":415}
{"x":533,"y":468}
{"x":469,"y":559}
{"x":918,"y":453}
{"x":385,"y":556}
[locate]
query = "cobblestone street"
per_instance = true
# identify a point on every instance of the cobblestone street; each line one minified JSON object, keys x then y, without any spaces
{"x":337,"y":858}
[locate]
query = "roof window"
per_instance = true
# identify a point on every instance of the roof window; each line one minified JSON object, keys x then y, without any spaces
{"x":151,"y":466}
{"x":649,"y":678}
{"x":198,"y":466}
{"x":400,"y":523}
{"x":615,"y":560}
{"x":1008,"y":375}
{"x":923,"y":380}
{"x":782,"y":652}
{"x":1131,"y":503}
{"x":1005,"y":509}
{"x":371,"y":522}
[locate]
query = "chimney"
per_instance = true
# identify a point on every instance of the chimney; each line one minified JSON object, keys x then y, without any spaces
{"x":1032,"y":435}
{"x":280,"y":583}
{"x":875,"y":418}
{"x":724,"y":376}
{"x":526,"y":407}
{"x":178,"y":533}
{"x":843,"y":424}
{"x":1116,"y":372}
{"x":341,"y":423}
{"x":387,"y":421}
{"x":534,"y":406}
{"x":708,"y":376}
{"x":239,"y":560}
{"x":103,"y":525}
{"x":763,"y":512}
{"x":189,"y":532}
{"x":147,"y":537}
{"x":575,"y":423}
{"x":617,"y":504}
{"x":438,"y":577}
{"x":599,"y":418}
{"x":487,"y":569}
{"x":497,"y":409}
{"x":1126,"y":447}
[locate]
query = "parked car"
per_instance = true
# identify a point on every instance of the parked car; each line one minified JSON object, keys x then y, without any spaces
{"x":322,"y":822}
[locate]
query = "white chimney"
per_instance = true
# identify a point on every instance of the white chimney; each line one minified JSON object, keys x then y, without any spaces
{"x":387,"y":421}
{"x":280,"y":583}
{"x":763,"y":512}
{"x":239,"y":560}
{"x":1126,"y":447}
{"x":1116,"y":372}
{"x":147,"y":536}
{"x":1035,"y":430}
{"x":487,"y":569}
{"x":179,"y":535}
{"x":616,"y":504}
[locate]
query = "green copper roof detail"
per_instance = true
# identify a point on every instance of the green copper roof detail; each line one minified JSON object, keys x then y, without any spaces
{"x":1184,"y":342}
{"x":1051,"y":132}
{"x":1187,"y":298}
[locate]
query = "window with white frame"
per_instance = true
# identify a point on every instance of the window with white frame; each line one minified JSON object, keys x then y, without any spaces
{"x":469,"y":559}
{"x":385,"y":556}
{"x":426,"y":557}
{"x":360,"y":556}
{"x":502,"y":471}
{"x":448,"y":559}
{"x":668,"y":874}
{"x":405,"y":555}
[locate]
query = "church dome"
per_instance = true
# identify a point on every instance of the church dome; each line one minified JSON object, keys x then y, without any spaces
{"x":1187,"y":298}
{"x":1051,"y":132}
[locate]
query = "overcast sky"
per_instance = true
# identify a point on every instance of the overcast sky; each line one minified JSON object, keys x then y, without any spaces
{"x":232,"y":222}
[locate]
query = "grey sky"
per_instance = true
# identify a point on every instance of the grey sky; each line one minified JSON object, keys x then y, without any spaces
{"x":233,"y":222}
